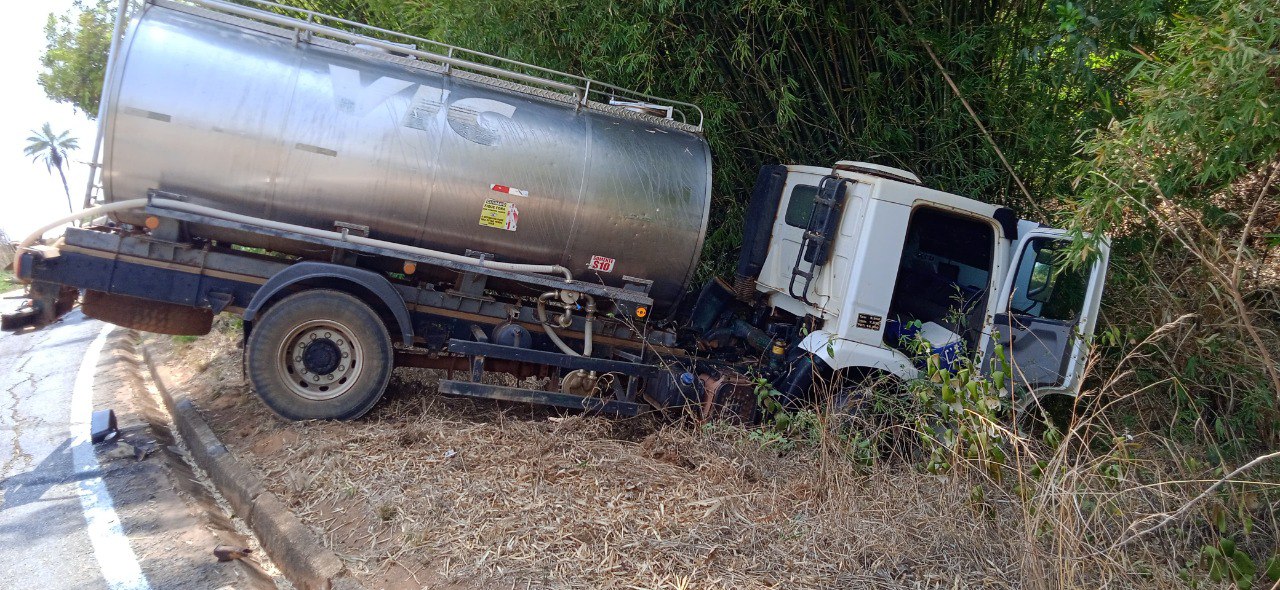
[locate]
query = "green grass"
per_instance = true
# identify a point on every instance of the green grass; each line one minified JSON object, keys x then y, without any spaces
{"x":7,"y":282}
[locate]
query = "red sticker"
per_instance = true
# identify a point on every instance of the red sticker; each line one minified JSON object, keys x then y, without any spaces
{"x":502,"y":188}
{"x":601,"y":264}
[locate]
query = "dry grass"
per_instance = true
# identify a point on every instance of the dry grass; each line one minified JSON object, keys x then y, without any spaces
{"x":429,"y":491}
{"x":566,"y":504}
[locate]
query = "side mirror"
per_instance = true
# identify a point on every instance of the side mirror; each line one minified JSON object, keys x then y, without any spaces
{"x":1040,"y":286}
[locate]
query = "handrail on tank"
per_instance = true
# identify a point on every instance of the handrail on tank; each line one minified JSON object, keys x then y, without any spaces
{"x":582,"y":88}
{"x":123,"y":12}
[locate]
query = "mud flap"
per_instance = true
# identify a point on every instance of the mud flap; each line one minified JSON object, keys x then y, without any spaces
{"x":146,"y":315}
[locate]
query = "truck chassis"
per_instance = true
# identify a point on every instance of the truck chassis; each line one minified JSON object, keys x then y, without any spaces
{"x":441,"y":329}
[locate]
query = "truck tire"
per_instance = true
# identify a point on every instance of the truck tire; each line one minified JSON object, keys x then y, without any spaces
{"x":145,"y":315}
{"x":854,"y":392}
{"x":319,"y":355}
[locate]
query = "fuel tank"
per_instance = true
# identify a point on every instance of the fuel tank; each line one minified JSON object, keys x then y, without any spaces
{"x":261,"y":120}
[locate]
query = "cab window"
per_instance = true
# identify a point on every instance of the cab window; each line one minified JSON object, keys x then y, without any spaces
{"x":800,"y":205}
{"x":1045,"y":287}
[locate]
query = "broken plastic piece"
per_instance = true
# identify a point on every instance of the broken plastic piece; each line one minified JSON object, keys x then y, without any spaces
{"x":102,"y":426}
{"x":231,"y":552}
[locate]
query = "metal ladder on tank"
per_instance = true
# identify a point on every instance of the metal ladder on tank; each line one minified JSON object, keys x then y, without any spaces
{"x":93,"y":189}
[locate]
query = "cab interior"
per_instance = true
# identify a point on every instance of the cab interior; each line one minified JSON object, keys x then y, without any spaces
{"x":943,"y":279}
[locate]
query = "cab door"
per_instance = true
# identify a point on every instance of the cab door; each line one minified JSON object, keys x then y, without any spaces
{"x":1046,"y":314}
{"x":789,"y":226}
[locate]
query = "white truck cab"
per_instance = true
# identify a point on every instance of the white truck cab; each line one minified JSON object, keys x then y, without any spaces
{"x":899,"y":258}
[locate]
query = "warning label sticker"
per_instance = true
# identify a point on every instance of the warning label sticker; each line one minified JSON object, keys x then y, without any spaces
{"x":499,"y":214}
{"x":601,"y":264}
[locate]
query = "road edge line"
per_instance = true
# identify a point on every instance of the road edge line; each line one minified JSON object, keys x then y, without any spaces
{"x":117,"y":561}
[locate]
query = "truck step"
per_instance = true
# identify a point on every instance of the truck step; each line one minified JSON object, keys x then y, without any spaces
{"x":545,"y":398}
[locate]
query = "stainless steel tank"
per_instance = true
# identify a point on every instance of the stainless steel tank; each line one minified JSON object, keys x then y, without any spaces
{"x":250,"y":119}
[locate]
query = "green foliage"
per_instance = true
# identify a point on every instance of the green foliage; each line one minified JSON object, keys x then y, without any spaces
{"x":1206,"y":112}
{"x":780,"y":428}
{"x":1227,"y":563}
{"x":7,"y":255}
{"x":7,"y":282}
{"x":962,"y":413}
{"x":75,"y":56}
{"x":263,"y":252}
{"x":233,"y":324}
{"x":1186,"y":183}
{"x":1231,"y":542}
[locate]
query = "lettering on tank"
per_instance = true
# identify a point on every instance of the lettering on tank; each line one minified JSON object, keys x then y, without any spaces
{"x":469,"y":118}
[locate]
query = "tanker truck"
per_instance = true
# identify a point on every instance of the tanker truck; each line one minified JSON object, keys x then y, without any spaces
{"x":366,"y":200}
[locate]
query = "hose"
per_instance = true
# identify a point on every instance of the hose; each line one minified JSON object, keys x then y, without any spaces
{"x":90,"y":212}
{"x":289,"y":227}
{"x":551,"y":333}
{"x":333,"y":235}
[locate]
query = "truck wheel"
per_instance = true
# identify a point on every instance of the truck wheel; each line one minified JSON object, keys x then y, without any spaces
{"x":320,"y":354}
{"x":854,"y":394}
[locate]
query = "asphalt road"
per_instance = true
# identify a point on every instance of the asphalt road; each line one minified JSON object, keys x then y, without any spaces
{"x":84,"y":516}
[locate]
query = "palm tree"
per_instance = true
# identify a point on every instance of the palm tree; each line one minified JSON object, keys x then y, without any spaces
{"x":52,"y":148}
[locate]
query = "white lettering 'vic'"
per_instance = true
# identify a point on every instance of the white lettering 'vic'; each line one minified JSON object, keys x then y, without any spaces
{"x":352,"y":97}
{"x":466,"y":117}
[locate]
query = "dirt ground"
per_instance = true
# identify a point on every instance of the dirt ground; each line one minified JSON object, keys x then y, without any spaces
{"x":433,"y":492}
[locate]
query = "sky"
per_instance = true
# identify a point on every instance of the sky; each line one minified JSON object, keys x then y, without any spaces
{"x":31,"y":196}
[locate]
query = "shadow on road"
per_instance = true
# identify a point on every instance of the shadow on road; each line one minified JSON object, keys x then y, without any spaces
{"x":31,"y":486}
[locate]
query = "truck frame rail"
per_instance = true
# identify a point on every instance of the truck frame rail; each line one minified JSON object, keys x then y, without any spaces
{"x":340,"y":241}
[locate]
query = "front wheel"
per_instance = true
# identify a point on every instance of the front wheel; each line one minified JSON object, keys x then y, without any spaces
{"x":320,"y":354}
{"x":868,"y":397}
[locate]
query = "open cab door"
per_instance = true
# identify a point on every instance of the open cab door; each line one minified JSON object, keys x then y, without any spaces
{"x":1046,"y":314}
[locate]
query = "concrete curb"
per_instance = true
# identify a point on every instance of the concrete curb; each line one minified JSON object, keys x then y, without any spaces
{"x":304,"y":561}
{"x":120,"y":364}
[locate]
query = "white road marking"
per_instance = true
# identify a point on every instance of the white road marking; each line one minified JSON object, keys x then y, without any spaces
{"x":116,"y":559}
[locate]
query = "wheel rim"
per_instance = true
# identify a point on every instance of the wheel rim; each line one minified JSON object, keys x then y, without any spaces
{"x":320,"y":360}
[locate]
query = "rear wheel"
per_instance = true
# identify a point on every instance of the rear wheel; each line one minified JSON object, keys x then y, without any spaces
{"x":320,"y":354}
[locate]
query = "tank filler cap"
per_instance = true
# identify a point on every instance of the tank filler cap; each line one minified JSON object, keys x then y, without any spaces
{"x":877,"y":170}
